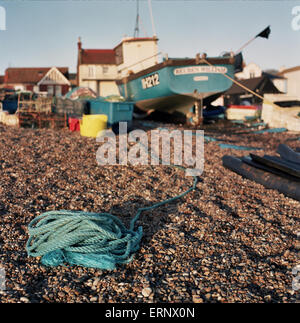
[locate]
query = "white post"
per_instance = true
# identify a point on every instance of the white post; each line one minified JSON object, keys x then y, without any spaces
{"x":152,"y":20}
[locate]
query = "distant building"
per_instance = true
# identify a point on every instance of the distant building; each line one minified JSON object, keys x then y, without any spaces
{"x":53,"y":81}
{"x":251,"y":70}
{"x":290,"y":84}
{"x":236,"y":95}
{"x":256,"y":80}
{"x":279,"y":81}
{"x":97,"y":70}
{"x":73,"y":80}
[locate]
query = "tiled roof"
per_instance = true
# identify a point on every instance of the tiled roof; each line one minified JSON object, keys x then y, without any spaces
{"x":98,"y":56}
{"x":253,"y":84}
{"x":29,"y":75}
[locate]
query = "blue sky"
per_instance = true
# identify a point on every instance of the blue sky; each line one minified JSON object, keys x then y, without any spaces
{"x":44,"y":33}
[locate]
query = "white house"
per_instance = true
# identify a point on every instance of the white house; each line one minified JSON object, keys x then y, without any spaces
{"x":97,"y":70}
{"x":291,"y":82}
{"x":250,"y":71}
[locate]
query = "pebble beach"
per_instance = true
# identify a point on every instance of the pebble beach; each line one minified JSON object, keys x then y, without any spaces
{"x":230,"y":240}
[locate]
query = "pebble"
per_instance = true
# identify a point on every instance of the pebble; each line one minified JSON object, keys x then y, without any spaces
{"x":94,"y":299}
{"x":146,"y":292}
{"x":197,"y":299}
{"x":208,"y":296}
{"x":24,"y":299}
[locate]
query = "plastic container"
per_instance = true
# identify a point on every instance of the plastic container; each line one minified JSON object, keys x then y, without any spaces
{"x":91,"y":125}
{"x":74,"y":124}
{"x":10,"y":106}
{"x":115,"y":111}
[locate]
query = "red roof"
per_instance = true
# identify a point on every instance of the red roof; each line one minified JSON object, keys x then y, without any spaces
{"x":29,"y":75}
{"x":98,"y":56}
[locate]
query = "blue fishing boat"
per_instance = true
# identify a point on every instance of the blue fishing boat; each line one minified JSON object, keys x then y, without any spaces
{"x":176,"y":85}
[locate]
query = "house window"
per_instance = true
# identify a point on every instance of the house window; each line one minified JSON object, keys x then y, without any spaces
{"x":105,"y":69}
{"x":92,"y":71}
{"x":50,"y":90}
{"x":252,"y":74}
{"x":58,"y":90}
{"x":119,"y":54}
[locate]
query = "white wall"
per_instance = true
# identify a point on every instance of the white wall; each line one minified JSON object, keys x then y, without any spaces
{"x":250,"y":71}
{"x":277,"y":117}
{"x":98,"y":72}
{"x":137,"y":51}
{"x":19,"y":87}
{"x":90,"y":84}
{"x":293,"y":83}
{"x":108,"y":88}
{"x":95,"y":76}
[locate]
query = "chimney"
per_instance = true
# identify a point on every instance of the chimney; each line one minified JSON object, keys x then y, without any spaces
{"x":79,"y":44}
{"x":79,"y":60}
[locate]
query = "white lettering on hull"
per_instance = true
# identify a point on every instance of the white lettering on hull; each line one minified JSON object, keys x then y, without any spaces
{"x":200,"y":69}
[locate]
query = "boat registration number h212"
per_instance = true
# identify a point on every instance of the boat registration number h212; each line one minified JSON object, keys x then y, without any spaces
{"x":150,"y":81}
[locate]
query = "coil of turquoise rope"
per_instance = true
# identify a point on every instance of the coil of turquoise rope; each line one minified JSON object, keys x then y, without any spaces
{"x":96,"y":240}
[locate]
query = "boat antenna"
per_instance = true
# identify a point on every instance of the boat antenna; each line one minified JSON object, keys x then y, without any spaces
{"x":151,"y":15}
{"x":137,"y":29}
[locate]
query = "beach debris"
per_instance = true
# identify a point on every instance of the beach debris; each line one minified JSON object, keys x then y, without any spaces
{"x":9,"y":119}
{"x":270,"y":171}
{"x":282,"y":114}
{"x":242,"y":112}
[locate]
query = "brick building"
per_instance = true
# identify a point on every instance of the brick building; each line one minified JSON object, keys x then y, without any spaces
{"x":97,"y":70}
{"x":53,"y":81}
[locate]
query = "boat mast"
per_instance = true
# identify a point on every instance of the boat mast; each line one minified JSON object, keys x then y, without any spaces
{"x":137,"y":29}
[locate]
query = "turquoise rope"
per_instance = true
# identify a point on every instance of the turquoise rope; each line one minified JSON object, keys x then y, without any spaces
{"x":228,"y":146}
{"x":97,"y":240}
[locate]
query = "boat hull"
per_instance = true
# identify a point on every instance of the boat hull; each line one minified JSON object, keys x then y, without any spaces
{"x":176,"y":88}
